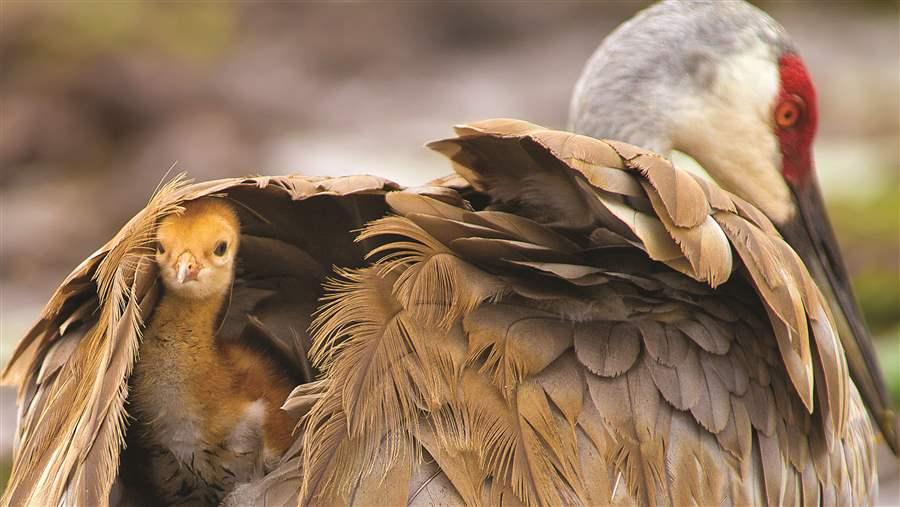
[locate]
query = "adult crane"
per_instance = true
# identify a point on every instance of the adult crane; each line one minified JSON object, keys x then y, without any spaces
{"x":609,"y":328}
{"x":566,"y":320}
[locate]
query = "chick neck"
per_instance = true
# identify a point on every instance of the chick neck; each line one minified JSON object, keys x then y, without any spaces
{"x":195,"y":318}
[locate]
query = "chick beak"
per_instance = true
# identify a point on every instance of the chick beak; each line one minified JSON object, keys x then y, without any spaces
{"x":186,"y":268}
{"x":811,"y":235}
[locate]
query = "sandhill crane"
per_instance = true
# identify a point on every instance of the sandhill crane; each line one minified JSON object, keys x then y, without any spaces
{"x":611,"y":329}
{"x":567,"y":320}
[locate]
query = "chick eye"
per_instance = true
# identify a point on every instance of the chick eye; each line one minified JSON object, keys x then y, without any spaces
{"x":221,"y":246}
{"x":788,"y":112}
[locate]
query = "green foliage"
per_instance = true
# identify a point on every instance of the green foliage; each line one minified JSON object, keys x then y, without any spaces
{"x":888,"y":350}
{"x":869,"y":233}
{"x":879,"y":296}
{"x":5,"y":469}
{"x":64,"y":36}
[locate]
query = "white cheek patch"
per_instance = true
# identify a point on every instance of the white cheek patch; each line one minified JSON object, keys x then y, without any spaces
{"x":750,"y":78}
{"x":728,"y":129}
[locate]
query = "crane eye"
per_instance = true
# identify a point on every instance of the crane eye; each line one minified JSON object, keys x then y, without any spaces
{"x":221,"y":246}
{"x":788,"y":112}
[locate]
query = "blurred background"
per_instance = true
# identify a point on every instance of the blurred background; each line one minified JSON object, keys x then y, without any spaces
{"x":98,"y":100}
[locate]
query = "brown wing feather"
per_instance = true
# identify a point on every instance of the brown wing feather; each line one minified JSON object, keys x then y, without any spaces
{"x":72,"y":368}
{"x":543,"y":370}
{"x":80,"y":419}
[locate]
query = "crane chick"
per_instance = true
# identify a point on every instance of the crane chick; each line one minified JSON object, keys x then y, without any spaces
{"x":207,"y":407}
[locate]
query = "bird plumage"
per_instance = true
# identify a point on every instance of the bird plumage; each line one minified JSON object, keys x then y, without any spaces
{"x":546,"y":361}
{"x":73,"y":366}
{"x":461,"y":344}
{"x":709,"y":79}
{"x":565,"y":320}
{"x":698,"y":77}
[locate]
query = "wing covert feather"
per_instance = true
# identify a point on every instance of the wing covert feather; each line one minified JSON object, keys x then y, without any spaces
{"x":73,"y":366}
{"x":597,"y":378}
{"x":591,"y":338}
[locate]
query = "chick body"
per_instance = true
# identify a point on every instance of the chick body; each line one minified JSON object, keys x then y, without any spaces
{"x":207,"y":408}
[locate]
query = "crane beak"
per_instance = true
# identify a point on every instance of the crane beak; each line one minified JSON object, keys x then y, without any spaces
{"x":811,"y":235}
{"x":186,"y":268}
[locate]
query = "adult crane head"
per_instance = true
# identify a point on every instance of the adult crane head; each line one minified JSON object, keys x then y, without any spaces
{"x":723,"y":83}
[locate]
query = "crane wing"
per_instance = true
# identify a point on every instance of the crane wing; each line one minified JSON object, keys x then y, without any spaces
{"x":72,"y":368}
{"x":607,"y":329}
{"x":593,"y":326}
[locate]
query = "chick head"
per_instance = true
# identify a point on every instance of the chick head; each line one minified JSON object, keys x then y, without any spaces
{"x":196,"y":249}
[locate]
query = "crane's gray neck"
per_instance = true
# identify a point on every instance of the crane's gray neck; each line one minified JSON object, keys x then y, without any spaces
{"x":648,"y":72}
